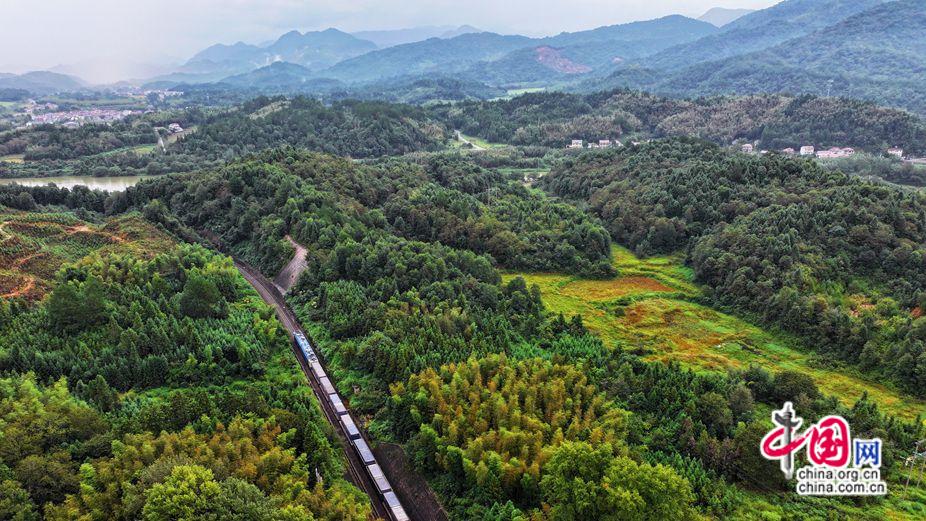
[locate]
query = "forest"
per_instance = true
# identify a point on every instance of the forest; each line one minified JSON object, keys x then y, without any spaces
{"x":155,"y":384}
{"x":552,"y":119}
{"x":503,"y":405}
{"x":141,"y":378}
{"x":829,"y":257}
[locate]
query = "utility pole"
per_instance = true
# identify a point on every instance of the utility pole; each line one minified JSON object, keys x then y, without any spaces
{"x":912,"y":463}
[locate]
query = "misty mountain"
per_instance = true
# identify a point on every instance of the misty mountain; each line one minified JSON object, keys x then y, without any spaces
{"x":434,"y":55}
{"x":721,"y":16}
{"x":282,"y":77}
{"x":42,"y":82}
{"x":315,"y":50}
{"x":517,"y":59}
{"x":393,"y":37}
{"x":875,"y":54}
{"x":598,"y":51}
{"x":760,"y":30}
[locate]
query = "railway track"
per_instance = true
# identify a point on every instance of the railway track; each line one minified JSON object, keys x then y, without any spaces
{"x":356,"y":469}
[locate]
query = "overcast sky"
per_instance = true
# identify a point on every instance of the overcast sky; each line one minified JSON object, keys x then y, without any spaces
{"x":40,"y":34}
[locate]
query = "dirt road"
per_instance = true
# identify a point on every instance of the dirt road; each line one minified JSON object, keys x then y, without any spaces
{"x":290,"y":273}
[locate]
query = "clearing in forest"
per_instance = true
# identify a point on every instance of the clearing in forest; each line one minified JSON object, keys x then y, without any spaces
{"x":33,"y":246}
{"x":652,"y":306}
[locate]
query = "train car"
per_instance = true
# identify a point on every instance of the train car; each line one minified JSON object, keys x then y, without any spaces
{"x":350,"y":427}
{"x":318,"y":370}
{"x":364,"y":451}
{"x":376,"y":472}
{"x":395,"y":507}
{"x":326,"y":386}
{"x":303,"y":343}
{"x":338,"y":405}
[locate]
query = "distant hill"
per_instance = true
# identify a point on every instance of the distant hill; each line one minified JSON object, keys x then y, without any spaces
{"x":876,"y":55}
{"x":775,"y":121}
{"x":314,"y":50}
{"x":282,"y":77}
{"x":42,"y":82}
{"x":391,"y":38}
{"x":430,"y":56}
{"x":760,"y":30}
{"x":720,"y":16}
{"x":501,"y":59}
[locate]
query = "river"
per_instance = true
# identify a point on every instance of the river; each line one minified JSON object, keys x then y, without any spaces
{"x":106,"y":184}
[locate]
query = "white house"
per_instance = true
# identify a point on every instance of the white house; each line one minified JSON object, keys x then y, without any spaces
{"x":807,"y":150}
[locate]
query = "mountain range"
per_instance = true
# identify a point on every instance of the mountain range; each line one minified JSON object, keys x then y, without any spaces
{"x":870,"y":49}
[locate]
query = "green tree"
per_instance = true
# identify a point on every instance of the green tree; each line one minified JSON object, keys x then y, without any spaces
{"x":189,"y":493}
{"x":581,"y":482}
{"x":201,"y":298}
{"x":74,"y":306}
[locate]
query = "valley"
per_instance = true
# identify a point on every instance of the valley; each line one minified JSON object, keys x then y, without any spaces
{"x":555,"y":262}
{"x":653,"y":307}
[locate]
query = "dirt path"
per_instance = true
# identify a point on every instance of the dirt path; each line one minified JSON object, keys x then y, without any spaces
{"x":290,"y":273}
{"x":22,"y":291}
{"x":468,"y":142}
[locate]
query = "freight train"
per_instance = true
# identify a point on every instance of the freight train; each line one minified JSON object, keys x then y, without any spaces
{"x":358,"y":444}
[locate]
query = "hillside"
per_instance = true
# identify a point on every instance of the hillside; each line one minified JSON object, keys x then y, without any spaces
{"x":721,"y":16}
{"x":759,"y":30}
{"x":281,"y":77}
{"x":393,"y":37}
{"x":516,"y":59}
{"x":873,"y":55}
{"x":351,"y":128}
{"x":42,"y":82}
{"x":428,"y":57}
{"x":775,"y":121}
{"x":314,"y":50}
{"x":775,"y":238}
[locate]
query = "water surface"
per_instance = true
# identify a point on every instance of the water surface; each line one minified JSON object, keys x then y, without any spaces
{"x":107,"y":184}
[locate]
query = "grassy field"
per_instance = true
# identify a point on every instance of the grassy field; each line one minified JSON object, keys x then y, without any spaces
{"x":477,"y":142}
{"x":137,"y":150}
{"x":33,"y":246}
{"x":13,"y":158}
{"x":650,"y":306}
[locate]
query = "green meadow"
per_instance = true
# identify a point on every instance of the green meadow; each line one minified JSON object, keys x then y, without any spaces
{"x":652,"y":305}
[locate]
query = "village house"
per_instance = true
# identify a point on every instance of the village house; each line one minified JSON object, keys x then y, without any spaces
{"x":604,"y":143}
{"x":576,"y":143}
{"x":896,"y":152}
{"x":748,"y":148}
{"x":174,"y":128}
{"x":807,"y":150}
{"x":835,"y":153}
{"x":788,"y":151}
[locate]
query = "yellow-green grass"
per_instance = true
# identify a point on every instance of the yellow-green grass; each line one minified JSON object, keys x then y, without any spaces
{"x":526,"y":90}
{"x":13,"y":158}
{"x":479,"y":142}
{"x":650,"y":305}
